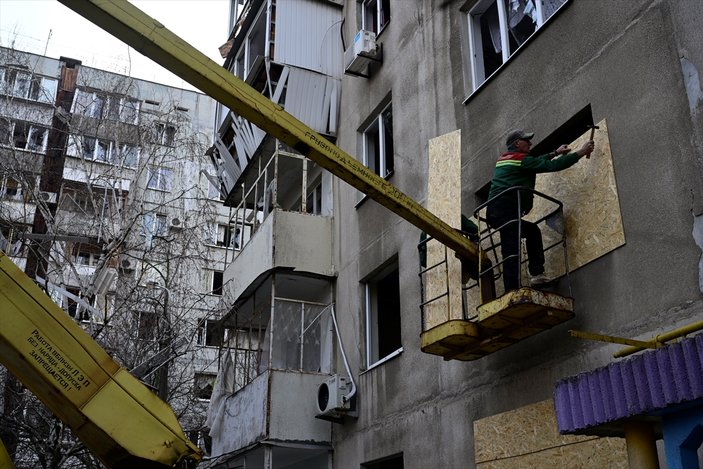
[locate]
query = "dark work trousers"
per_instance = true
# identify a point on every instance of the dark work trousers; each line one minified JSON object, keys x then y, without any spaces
{"x":503,"y":216}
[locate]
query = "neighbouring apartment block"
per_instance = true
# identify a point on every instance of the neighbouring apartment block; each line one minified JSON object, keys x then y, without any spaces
{"x":135,"y":235}
{"x":335,"y":360}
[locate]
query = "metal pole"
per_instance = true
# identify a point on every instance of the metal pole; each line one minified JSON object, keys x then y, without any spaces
{"x":641,"y":445}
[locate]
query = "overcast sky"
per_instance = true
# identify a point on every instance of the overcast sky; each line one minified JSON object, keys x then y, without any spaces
{"x":47,"y":27}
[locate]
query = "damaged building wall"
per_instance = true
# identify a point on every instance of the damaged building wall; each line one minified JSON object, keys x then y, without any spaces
{"x":624,"y":61}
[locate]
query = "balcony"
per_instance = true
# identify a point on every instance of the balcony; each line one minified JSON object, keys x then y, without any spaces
{"x":279,"y":351}
{"x":282,"y":219}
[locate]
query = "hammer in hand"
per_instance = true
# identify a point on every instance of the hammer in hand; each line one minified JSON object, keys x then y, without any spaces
{"x":593,"y":131}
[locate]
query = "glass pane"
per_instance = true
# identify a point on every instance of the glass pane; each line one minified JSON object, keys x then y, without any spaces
{"x":36,"y":139}
{"x":49,"y":86}
{"x":369,"y":16}
{"x":491,"y":46}
{"x":372,"y":148}
{"x":550,"y":6}
{"x":88,"y":147}
{"x":387,"y":123}
{"x":522,"y":21}
{"x":22,"y":80}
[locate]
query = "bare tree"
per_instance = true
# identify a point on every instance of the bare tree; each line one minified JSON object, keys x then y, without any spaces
{"x":137,"y":239}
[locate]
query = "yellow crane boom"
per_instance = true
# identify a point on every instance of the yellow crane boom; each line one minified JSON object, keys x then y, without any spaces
{"x":151,"y":38}
{"x":118,"y":418}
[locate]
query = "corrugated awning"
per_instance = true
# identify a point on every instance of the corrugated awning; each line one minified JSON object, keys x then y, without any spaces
{"x":649,"y":384}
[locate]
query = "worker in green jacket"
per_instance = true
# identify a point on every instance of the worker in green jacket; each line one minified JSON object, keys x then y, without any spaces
{"x":517,"y":168}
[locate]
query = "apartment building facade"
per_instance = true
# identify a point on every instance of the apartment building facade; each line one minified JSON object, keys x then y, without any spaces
{"x":136,"y":235}
{"x":327,"y":368}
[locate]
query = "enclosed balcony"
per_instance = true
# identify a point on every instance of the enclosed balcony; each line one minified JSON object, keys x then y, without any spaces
{"x":282,"y":219}
{"x":281,"y":346}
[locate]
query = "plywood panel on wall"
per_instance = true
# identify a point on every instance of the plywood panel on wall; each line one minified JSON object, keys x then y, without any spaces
{"x":592,"y":216}
{"x":444,"y":200}
{"x":528,"y":437}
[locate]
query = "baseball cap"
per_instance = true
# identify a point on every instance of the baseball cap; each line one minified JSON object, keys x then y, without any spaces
{"x":518,"y":134}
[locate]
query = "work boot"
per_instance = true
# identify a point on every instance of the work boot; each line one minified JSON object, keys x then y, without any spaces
{"x":539,"y":280}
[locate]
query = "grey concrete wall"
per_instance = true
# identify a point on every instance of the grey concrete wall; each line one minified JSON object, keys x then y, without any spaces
{"x":636,"y":64}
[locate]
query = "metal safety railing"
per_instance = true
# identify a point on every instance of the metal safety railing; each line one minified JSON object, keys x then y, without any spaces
{"x":469,"y":281}
{"x":491,"y":237}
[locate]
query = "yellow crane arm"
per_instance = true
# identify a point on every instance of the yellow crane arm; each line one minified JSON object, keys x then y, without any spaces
{"x":118,"y":418}
{"x":152,"y":39}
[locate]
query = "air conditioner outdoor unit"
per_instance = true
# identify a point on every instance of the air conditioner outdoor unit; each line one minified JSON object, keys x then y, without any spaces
{"x":361,"y":52}
{"x":127,"y":264}
{"x":48,"y":197}
{"x":176,"y":223}
{"x":330,"y":396}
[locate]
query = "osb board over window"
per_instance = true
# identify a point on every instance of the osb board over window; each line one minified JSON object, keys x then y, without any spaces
{"x":528,"y":436}
{"x":591,"y":207}
{"x":444,"y":200}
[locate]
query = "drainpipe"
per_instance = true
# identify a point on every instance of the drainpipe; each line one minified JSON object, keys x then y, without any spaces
{"x":641,"y":445}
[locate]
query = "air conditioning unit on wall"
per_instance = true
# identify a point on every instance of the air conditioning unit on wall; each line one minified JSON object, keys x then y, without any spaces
{"x":361,"y":53}
{"x":330,"y":396}
{"x":176,"y":223}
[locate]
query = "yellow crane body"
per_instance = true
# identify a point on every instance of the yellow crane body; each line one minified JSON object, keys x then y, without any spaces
{"x":117,"y":417}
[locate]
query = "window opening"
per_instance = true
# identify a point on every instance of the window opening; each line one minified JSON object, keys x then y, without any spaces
{"x":375,"y":15}
{"x":217,"y":281}
{"x":393,"y":462}
{"x":204,"y":383}
{"x":164,"y":134}
{"x":159,"y":178}
{"x":209,"y":332}
{"x":497,"y":28}
{"x":383,"y":335}
{"x":378,"y":144}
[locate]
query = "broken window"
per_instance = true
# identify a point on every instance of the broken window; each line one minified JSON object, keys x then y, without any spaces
{"x":164,"y":134}
{"x":146,"y":324}
{"x":204,"y":383}
{"x":12,"y":241}
{"x":23,"y":84}
{"x":383,"y":337}
{"x":497,"y":28}
{"x":86,"y":254}
{"x":210,"y":333}
{"x":216,"y":283}
{"x":29,"y":137}
{"x":378,"y":143}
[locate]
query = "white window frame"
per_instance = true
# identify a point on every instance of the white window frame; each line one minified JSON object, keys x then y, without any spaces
{"x":93,"y":104}
{"x":473,"y":17}
{"x":199,"y":377}
{"x":165,"y":134}
{"x":159,"y":178}
{"x":203,"y":333}
{"x":211,"y":290}
{"x":33,"y":129}
{"x":371,"y":313}
{"x":36,"y":87}
{"x":385,"y":169}
{"x":124,"y":150}
{"x":377,"y":5}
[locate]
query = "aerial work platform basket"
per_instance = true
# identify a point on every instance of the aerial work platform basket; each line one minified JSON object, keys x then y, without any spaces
{"x":486,"y":322}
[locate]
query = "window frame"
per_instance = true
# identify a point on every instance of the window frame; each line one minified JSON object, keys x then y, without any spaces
{"x":372,"y":340}
{"x":31,"y":129}
{"x":475,"y":43}
{"x":385,"y":170}
{"x":35,"y":88}
{"x":216,"y":286}
{"x":164,"y":178}
{"x":377,"y":15}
